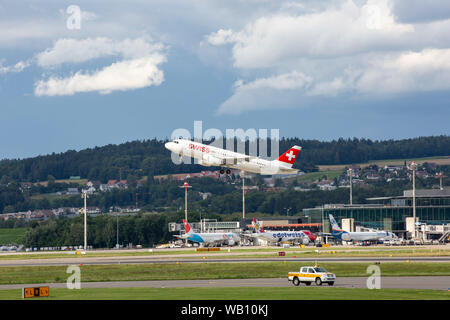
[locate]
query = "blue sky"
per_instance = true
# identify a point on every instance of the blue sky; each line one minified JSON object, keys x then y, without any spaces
{"x":374,"y":69}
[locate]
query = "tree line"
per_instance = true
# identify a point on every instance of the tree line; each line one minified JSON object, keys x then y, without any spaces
{"x":146,"y":230}
{"x":221,"y":196}
{"x":150,"y":157}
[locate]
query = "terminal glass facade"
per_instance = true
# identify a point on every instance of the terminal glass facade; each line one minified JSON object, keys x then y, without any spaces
{"x":389,"y":218}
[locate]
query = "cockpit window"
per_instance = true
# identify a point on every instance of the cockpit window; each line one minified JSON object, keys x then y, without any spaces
{"x":176,"y":142}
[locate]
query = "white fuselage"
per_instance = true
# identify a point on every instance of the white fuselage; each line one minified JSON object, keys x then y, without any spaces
{"x":281,"y":236}
{"x":212,"y":156}
{"x":366,"y":236}
{"x":207,"y":238}
{"x":338,"y":233}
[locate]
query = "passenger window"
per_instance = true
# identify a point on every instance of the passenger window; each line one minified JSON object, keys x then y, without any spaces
{"x":311,"y":270}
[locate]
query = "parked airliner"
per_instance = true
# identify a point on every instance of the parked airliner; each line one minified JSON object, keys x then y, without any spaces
{"x":338,"y":233}
{"x":209,"y":238}
{"x":279,"y":236}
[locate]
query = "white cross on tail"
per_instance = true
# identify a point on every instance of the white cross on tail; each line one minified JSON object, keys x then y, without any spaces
{"x":290,"y":155}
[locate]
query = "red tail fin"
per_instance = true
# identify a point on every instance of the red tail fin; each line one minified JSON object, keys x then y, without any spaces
{"x":187,"y":227}
{"x":290,"y":156}
{"x":257,"y":226}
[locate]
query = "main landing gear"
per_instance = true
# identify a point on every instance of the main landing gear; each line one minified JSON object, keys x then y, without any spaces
{"x":228,"y":171}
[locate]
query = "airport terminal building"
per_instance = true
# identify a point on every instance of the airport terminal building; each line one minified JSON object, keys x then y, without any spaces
{"x":390,"y":213}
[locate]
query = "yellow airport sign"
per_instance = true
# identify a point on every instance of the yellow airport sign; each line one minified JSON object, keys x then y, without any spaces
{"x":35,"y":292}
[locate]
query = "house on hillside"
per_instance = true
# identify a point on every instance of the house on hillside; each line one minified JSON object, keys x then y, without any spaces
{"x":326,"y":185}
{"x":90,"y":190}
{"x":205,"y":195}
{"x":25,"y":186}
{"x":394,"y":168}
{"x":72,"y":191}
{"x":356,"y":170}
{"x":122,"y":184}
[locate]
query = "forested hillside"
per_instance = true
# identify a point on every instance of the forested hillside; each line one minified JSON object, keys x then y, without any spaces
{"x":149,"y":157}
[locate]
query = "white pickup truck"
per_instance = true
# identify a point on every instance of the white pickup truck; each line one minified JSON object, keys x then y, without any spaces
{"x":309,"y":274}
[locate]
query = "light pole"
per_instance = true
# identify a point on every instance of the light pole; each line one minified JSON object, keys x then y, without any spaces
{"x":287,"y":211}
{"x":84,"y":196}
{"x":243,"y":194}
{"x":322,"y":214}
{"x":440,"y":175}
{"x":413,"y":168}
{"x":350,"y":172}
{"x":117,"y":217}
{"x":185,"y":186}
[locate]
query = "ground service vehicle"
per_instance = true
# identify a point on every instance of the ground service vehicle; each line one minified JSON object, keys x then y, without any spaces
{"x":308,"y":275}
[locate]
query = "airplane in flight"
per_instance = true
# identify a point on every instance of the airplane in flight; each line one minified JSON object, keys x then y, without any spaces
{"x":212,"y":156}
{"x":209,"y":238}
{"x":279,"y":236}
{"x":338,"y":233}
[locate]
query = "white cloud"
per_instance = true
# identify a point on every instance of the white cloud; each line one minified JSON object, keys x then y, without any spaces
{"x":427,"y":70}
{"x":382,"y":76}
{"x":123,"y":75}
{"x":348,"y":29}
{"x":69,"y":50}
{"x":221,"y":37}
{"x":138,"y":69}
{"x":264,"y":93}
{"x":351,"y":49}
{"x":18,"y":67}
{"x":292,"y":80}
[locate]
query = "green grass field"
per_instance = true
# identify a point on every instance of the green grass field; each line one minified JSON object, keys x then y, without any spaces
{"x":51,"y":196}
{"x":257,"y":252}
{"x":196,"y":271}
{"x":11,"y":236}
{"x":240,"y":293}
{"x":77,"y":181}
{"x":313,"y":176}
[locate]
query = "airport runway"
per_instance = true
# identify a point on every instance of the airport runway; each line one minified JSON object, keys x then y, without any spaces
{"x":430,"y":282}
{"x":159,"y":259}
